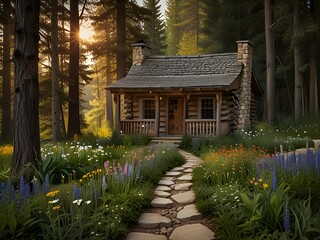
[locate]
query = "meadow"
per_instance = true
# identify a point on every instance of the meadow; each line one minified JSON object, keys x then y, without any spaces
{"x":81,"y":191}
{"x":251,"y":190}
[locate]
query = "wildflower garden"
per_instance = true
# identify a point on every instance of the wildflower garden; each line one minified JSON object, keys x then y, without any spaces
{"x":247,"y":186}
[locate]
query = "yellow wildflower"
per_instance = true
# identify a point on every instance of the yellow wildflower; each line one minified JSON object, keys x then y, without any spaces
{"x":80,"y":181}
{"x":56,"y":207}
{"x":260,"y":179}
{"x":52,"y":193}
{"x":265,"y":185}
{"x":255,"y":183}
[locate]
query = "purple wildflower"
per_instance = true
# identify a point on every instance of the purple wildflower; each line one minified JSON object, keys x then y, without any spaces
{"x":286,"y":217}
{"x":120,"y":170}
{"x":104,"y":183}
{"x":115,"y":170}
{"x":107,"y":166}
{"x":131,"y":169}
{"x":138,"y":171}
{"x":274,"y":178}
{"x":125,"y":169}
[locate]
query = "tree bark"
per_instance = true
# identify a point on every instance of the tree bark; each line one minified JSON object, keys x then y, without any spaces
{"x":121,"y":39}
{"x":109,"y":101}
{"x":298,"y":79}
{"x":270,"y":62}
{"x":26,"y":83}
{"x":313,"y":100}
{"x":74,"y":111}
{"x":6,"y":84}
{"x":55,"y":111}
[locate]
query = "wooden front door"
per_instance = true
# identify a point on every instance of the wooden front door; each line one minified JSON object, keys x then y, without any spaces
{"x":175,"y":116}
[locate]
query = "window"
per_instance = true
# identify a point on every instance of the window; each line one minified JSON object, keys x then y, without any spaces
{"x":148,"y":109}
{"x":207,"y":108}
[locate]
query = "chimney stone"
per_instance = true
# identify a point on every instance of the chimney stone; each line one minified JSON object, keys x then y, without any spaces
{"x":140,"y":51}
{"x":245,"y":53}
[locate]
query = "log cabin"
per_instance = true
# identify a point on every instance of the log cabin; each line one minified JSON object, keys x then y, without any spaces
{"x":199,"y":95}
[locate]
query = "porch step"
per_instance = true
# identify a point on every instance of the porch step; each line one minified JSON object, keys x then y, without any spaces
{"x":168,"y":140}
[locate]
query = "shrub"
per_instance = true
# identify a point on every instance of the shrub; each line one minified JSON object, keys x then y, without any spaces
{"x":186,"y":142}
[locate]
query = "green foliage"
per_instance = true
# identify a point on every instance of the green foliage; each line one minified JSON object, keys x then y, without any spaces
{"x":186,"y":142}
{"x":115,"y":139}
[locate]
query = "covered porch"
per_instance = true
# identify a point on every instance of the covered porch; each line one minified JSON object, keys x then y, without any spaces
{"x":175,"y":114}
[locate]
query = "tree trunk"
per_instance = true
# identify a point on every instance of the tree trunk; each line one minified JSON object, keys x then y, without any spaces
{"x":109,"y":103}
{"x":121,"y":48}
{"x":298,"y":79}
{"x":56,"y":129}
{"x":74,"y":112}
{"x":6,"y":84}
{"x":26,"y":83}
{"x":270,"y":55}
{"x":121,"y":39}
{"x":313,"y":106}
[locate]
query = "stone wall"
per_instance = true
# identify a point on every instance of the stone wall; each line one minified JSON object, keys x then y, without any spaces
{"x":245,"y":51}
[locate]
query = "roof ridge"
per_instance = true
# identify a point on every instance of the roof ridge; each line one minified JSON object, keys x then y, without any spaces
{"x":190,"y":56}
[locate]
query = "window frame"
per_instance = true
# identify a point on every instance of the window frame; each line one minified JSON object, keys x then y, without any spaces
{"x":143,"y":108}
{"x":200,"y":108}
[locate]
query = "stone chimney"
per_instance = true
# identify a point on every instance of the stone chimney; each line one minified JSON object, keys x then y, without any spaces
{"x":140,"y":51}
{"x":245,"y":51}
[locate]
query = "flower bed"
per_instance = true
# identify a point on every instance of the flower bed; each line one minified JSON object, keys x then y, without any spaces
{"x":252,"y":195}
{"x":101,"y":204}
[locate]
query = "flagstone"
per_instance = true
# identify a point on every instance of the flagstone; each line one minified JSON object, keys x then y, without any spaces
{"x":192,"y":232}
{"x":163,"y":188}
{"x":173,"y":174}
{"x":186,"y":177}
{"x":160,"y":202}
{"x":189,"y":212}
{"x":145,"y":236}
{"x":188,"y":170}
{"x":162,"y":194}
{"x":153,"y":220}
{"x":182,"y":186}
{"x":177,"y":169}
{"x":184,"y":198}
{"x":166,"y":182}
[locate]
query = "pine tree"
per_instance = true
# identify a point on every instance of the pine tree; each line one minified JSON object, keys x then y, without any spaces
{"x":26,"y":97}
{"x":154,"y":27}
{"x":173,"y":32}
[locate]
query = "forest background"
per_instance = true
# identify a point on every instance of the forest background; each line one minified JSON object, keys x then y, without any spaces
{"x":108,"y":27}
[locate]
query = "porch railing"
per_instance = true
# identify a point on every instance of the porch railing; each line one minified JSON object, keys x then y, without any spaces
{"x":201,"y":127}
{"x":138,"y":127}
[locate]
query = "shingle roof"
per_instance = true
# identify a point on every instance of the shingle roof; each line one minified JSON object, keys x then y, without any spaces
{"x":214,"y":70}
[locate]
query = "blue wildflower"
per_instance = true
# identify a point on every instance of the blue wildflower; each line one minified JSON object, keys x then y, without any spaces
{"x":286,"y":217}
{"x":46,"y":185}
{"x":76,"y":192}
{"x":131,"y":169}
{"x":104,"y":183}
{"x":274,"y":178}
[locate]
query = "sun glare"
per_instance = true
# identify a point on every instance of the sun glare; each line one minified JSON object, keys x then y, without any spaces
{"x":86,"y":34}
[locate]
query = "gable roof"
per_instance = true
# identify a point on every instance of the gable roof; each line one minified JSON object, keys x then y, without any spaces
{"x":212,"y":70}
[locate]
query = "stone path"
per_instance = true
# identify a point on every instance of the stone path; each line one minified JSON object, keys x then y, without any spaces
{"x":173,"y":215}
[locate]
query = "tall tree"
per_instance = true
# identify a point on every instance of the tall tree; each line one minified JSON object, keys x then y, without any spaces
{"x":73,"y":113}
{"x":154,"y":27}
{"x":26,"y":84}
{"x":121,"y":38}
{"x":55,"y":100}
{"x":313,"y":100}
{"x":270,"y":62}
{"x":298,"y":77}
{"x":6,"y":83}
{"x":173,"y":32}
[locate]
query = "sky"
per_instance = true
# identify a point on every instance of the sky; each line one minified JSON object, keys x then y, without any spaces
{"x":163,"y":4}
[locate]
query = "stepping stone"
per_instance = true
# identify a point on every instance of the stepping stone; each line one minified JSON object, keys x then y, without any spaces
{"x":167,"y":178}
{"x":166,"y":182}
{"x":145,"y":236}
{"x":187,"y":177}
{"x":185,"y":198}
{"x":153,"y":220}
{"x":177,"y":169}
{"x":159,"y":202}
{"x":188,"y":170}
{"x":173,"y":174}
{"x":189,"y":212}
{"x":162,"y":194}
{"x":189,"y":165}
{"x":191,"y":232}
{"x":163,"y":188}
{"x":182,"y":186}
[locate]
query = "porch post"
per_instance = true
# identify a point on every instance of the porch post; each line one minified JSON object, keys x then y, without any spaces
{"x":218,"y":123}
{"x":118,"y":117}
{"x":186,"y":110}
{"x":157,"y":116}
